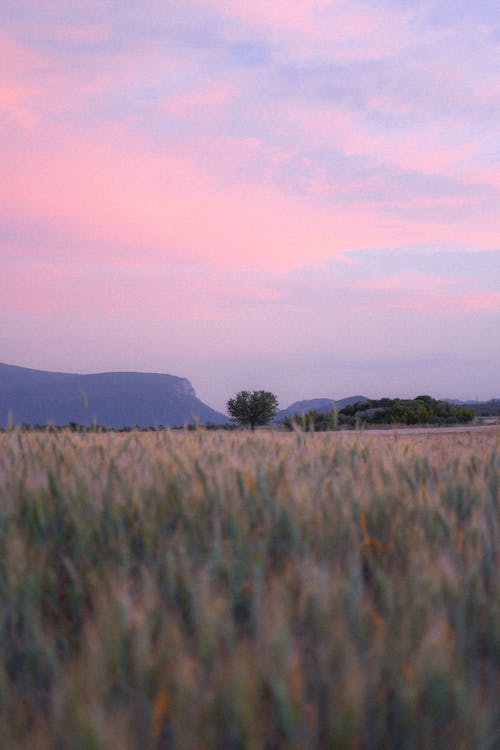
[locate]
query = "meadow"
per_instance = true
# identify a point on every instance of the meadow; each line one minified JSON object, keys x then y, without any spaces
{"x":238,"y":591}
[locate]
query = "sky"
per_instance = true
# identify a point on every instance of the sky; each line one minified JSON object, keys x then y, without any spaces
{"x":301,"y":196}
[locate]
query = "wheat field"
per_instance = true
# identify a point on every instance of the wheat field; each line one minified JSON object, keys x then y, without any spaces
{"x":198,"y":590}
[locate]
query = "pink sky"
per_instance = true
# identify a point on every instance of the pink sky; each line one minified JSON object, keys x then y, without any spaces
{"x":302,"y":196}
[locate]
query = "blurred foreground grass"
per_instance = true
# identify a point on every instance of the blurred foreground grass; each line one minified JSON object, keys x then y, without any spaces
{"x":235,"y":591}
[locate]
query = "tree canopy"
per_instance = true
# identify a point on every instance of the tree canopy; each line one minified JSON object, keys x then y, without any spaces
{"x":420,"y":410}
{"x":252,"y":408}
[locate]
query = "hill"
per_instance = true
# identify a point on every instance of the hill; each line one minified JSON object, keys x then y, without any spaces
{"x":419,"y":410}
{"x":489,"y":408}
{"x":320,"y":405}
{"x":112,"y":399}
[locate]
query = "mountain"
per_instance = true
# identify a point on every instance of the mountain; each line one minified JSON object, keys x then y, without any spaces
{"x":111,"y":399}
{"x":458,"y":402}
{"x":490,"y":408}
{"x":321,"y":405}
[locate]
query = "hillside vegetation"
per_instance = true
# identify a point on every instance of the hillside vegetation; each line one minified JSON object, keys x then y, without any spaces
{"x":227,"y":590}
{"x":488,"y":408}
{"x":420,"y":410}
{"x":394,"y":411}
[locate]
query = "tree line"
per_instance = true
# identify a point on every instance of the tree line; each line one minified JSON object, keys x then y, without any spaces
{"x":255,"y":408}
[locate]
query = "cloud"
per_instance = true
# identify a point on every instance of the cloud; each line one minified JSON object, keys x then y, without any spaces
{"x":79,"y":35}
{"x":107,"y":193}
{"x":384,"y":281}
{"x":316,"y":29}
{"x":408,"y":280}
{"x":18,"y":85}
{"x":198,"y":101}
{"x":162,"y":291}
{"x":429,"y":295}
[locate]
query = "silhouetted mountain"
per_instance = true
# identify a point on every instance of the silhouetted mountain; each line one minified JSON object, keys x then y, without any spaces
{"x":458,"y":402}
{"x":111,"y":399}
{"x":321,"y":405}
{"x":490,"y":408}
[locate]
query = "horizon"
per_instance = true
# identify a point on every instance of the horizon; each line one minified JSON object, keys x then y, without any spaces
{"x":297,"y":197}
{"x":282,"y":405}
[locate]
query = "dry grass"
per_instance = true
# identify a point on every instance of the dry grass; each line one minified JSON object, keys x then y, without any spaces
{"x":227,"y":590}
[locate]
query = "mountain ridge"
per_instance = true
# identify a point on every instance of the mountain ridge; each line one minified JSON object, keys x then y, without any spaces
{"x":128,"y":399}
{"x":111,"y":399}
{"x":321,"y":405}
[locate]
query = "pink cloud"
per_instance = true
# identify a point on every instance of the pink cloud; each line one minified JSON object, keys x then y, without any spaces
{"x":281,"y":14}
{"x":18,"y":90}
{"x":319,"y":18}
{"x":488,"y":92}
{"x":447,"y":303}
{"x":33,"y":85}
{"x":39,"y":86}
{"x":430,"y":150}
{"x":425,"y":294}
{"x":344,"y":29}
{"x":407,"y":280}
{"x":158,"y":291}
{"x":31,"y":287}
{"x":79,"y":34}
{"x":104,"y":193}
{"x":194,"y":101}
{"x":103,"y":189}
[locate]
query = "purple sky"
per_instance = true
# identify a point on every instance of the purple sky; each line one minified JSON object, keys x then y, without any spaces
{"x":298,"y":196}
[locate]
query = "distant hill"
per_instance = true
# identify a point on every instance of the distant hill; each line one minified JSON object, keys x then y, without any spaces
{"x":489,"y":408}
{"x":419,"y":410}
{"x":112,"y":399}
{"x":458,"y":402}
{"x":321,"y":405}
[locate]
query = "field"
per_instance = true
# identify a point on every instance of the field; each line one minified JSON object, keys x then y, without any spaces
{"x":267,"y":591}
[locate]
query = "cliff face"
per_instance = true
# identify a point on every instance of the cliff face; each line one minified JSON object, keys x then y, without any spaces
{"x":112,"y":399}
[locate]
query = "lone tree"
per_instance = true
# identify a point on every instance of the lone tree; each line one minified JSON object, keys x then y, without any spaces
{"x":251,"y":408}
